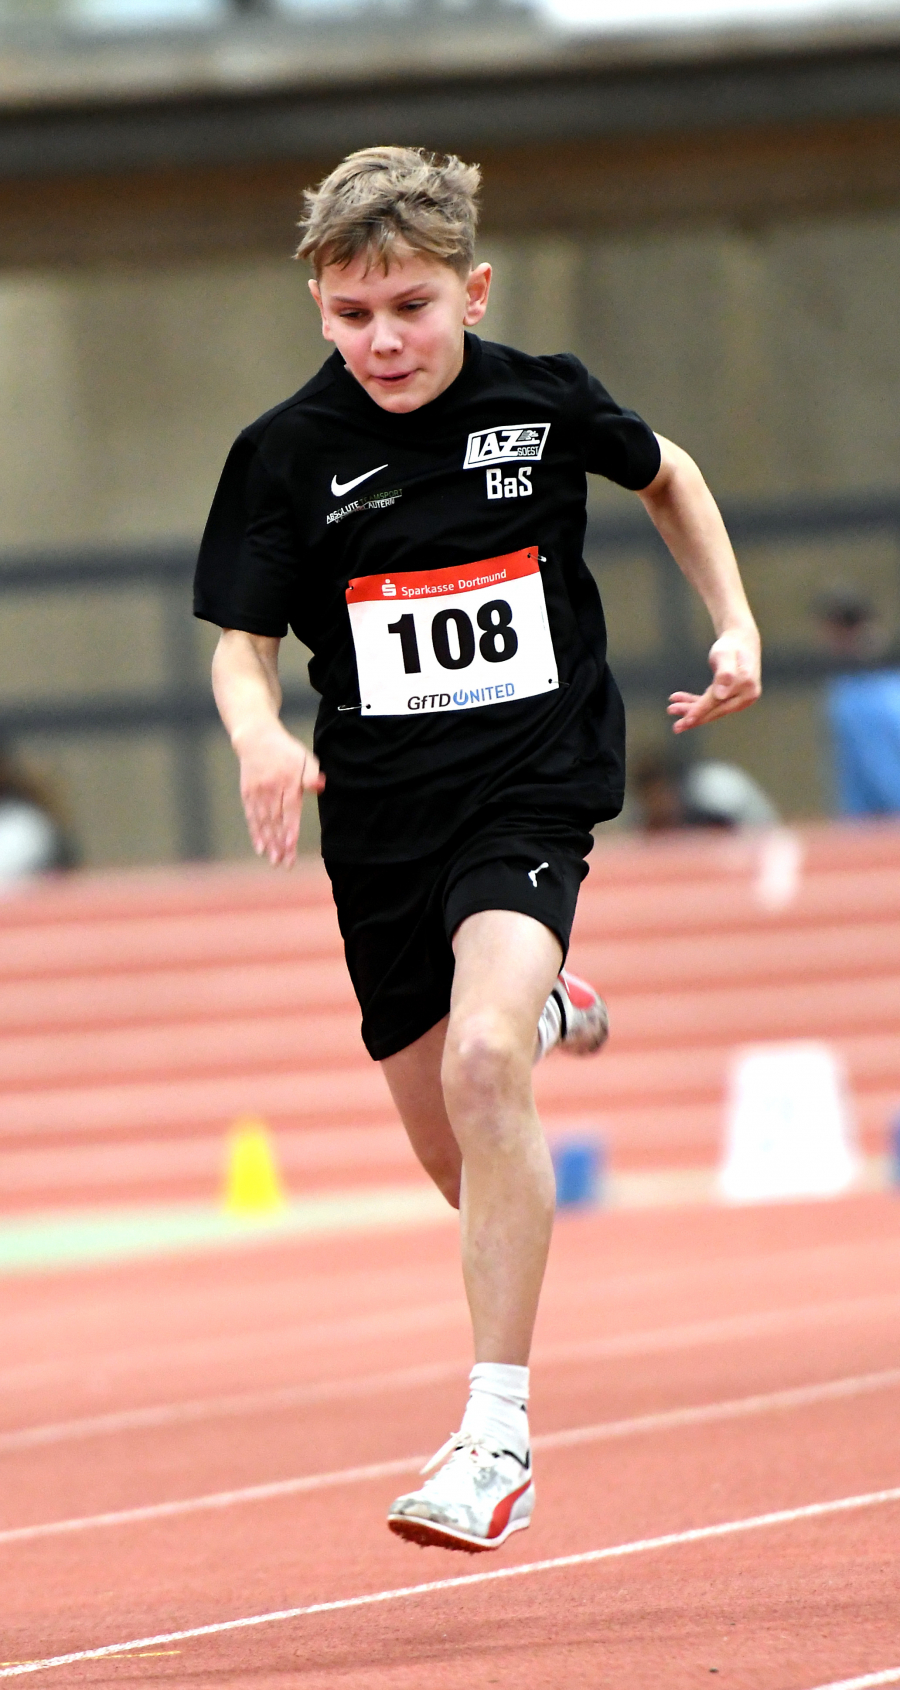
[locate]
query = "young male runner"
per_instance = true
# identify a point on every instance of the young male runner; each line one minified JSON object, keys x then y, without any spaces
{"x":416,"y":514}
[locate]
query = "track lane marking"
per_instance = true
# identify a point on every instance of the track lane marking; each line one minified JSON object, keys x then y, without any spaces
{"x":591,"y":1349}
{"x":216,"y":1500}
{"x":236,"y":1343}
{"x":868,"y":1681}
{"x":734,"y":1408}
{"x":242,"y":1402}
{"x":639,"y":1546}
{"x":240,"y":1345}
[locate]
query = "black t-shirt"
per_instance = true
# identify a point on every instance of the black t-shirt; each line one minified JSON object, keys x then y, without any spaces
{"x":432,"y":561}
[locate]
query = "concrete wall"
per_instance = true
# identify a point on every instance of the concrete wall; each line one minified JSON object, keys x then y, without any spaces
{"x":770,"y":353}
{"x":119,"y":395}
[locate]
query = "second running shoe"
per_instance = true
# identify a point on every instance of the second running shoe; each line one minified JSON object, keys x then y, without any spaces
{"x":474,"y":1501}
{"x":574,"y":1017}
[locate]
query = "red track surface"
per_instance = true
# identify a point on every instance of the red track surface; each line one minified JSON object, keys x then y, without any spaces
{"x":140,"y":1015}
{"x":645,"y":1313}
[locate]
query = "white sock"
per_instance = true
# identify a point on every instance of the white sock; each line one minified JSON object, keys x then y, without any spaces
{"x":497,"y":1409}
{"x":549,"y":1028}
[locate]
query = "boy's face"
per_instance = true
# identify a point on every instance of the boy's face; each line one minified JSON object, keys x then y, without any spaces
{"x":401,"y":333}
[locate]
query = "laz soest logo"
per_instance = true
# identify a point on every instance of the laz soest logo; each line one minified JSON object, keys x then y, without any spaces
{"x":491,"y":447}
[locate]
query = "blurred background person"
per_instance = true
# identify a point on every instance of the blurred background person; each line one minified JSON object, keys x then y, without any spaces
{"x":34,"y":838}
{"x":671,"y":793}
{"x":862,"y":703}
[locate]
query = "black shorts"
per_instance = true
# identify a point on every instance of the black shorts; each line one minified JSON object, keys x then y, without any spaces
{"x":398,"y":919}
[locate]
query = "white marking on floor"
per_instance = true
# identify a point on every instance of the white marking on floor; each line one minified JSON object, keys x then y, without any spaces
{"x":243,"y":1402}
{"x":640,"y":1546}
{"x":736,"y":1408}
{"x":242,"y":1345}
{"x":869,"y":1681}
{"x":621,"y":1344}
{"x":778,"y":869}
{"x":214,"y":1500}
{"x":721,"y":1330}
{"x":838,"y":1259}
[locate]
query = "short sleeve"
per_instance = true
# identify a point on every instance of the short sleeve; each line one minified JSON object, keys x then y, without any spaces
{"x":247,"y":569}
{"x":618,"y":443}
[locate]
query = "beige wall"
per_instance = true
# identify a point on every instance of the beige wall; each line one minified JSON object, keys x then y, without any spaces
{"x":771,"y":354}
{"x":119,"y":396}
{"x":120,"y":393}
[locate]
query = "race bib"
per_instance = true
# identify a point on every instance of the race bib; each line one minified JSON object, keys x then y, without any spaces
{"x":452,"y":639}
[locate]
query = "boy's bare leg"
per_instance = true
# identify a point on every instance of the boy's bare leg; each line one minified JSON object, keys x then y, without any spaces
{"x":414,"y":1079}
{"x":506,"y":964}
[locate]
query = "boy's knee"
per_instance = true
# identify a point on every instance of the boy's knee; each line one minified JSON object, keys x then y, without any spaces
{"x":484,"y":1060}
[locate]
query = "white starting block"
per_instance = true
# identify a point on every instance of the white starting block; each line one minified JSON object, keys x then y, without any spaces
{"x":789,"y":1130}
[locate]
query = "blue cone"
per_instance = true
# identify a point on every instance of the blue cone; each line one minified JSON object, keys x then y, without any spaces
{"x":579,"y":1165}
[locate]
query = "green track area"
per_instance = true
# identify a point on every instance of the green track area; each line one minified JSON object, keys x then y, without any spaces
{"x":71,"y":1238}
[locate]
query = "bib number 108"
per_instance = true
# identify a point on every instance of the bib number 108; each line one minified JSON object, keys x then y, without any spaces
{"x":453,"y":629}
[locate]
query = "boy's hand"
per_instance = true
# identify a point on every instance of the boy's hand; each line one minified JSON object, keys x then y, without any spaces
{"x":276,"y":770}
{"x":735,"y":663}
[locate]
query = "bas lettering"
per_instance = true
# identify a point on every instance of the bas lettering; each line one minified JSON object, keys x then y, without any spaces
{"x":500,"y":486}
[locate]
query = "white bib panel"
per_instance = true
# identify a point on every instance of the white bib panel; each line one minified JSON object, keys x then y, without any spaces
{"x":452,"y":639}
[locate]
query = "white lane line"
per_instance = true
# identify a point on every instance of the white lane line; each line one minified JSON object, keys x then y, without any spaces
{"x":215,"y":1499}
{"x":241,"y":1345}
{"x":640,"y":1546}
{"x":838,"y":1259}
{"x":868,"y":1681}
{"x":612,"y":1348}
{"x":722,"y":1329}
{"x":736,"y":1408}
{"x":242,"y":1402}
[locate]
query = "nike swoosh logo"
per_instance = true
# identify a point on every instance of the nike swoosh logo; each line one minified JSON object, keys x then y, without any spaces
{"x":339,"y":488}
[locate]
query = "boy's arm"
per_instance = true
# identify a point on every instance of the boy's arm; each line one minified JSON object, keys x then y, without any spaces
{"x":686,"y":515}
{"x":276,"y":769}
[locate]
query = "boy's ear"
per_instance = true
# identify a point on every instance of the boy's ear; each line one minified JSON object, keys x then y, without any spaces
{"x":478,"y":286}
{"x":316,"y":292}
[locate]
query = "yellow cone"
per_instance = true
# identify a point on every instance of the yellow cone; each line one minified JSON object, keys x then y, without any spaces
{"x":252,"y":1180}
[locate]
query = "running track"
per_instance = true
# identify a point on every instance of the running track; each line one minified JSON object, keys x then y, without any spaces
{"x":186,"y":1444}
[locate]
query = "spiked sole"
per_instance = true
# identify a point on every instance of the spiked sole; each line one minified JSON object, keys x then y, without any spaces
{"x":428,"y":1535}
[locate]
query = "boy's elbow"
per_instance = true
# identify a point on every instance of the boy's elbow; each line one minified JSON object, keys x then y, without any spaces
{"x":677,"y":473}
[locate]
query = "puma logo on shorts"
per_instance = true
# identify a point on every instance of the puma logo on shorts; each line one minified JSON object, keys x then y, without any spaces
{"x":534,"y":872}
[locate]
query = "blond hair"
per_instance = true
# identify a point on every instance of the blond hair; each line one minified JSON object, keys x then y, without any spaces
{"x":382,"y":197}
